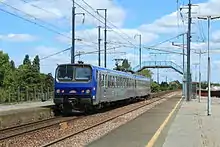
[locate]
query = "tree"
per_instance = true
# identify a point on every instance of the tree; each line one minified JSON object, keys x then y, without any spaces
{"x":4,"y":66}
{"x":26,"y":60}
{"x":12,"y":64}
{"x":24,"y":82}
{"x":204,"y":85}
{"x":155,"y":87}
{"x":164,"y":86}
{"x":124,"y":67}
{"x":36,"y":64}
{"x":146,"y":72}
{"x":125,"y":64}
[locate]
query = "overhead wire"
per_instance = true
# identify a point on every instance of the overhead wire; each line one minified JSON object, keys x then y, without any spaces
{"x":46,"y":57}
{"x":167,"y":40}
{"x":107,"y":20}
{"x":50,"y":12}
{"x":55,"y":53}
{"x":49,"y":29}
{"x":40,"y":25}
{"x":12,"y":7}
{"x":35,"y":23}
{"x":102,"y":21}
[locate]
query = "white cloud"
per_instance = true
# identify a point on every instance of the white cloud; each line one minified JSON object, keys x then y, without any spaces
{"x":216,"y":36}
{"x":17,"y":37}
{"x":166,"y":24}
{"x":60,"y":10}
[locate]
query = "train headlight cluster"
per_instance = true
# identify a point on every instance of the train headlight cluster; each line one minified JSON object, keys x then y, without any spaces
{"x":59,"y":91}
{"x":87,"y":91}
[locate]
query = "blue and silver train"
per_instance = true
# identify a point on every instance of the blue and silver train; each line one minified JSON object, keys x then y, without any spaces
{"x":83,"y":86}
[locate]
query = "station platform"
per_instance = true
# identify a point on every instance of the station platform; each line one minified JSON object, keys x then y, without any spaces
{"x":138,"y":132}
{"x":193,"y":128}
{"x":17,"y":114}
{"x":173,"y":123}
{"x":24,"y":105}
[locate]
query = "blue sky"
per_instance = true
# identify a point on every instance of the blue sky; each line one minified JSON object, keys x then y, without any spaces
{"x":154,"y":20}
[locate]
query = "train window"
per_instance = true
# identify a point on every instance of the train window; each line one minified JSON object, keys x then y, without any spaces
{"x":83,"y":73}
{"x":122,"y":82}
{"x":114,"y":81}
{"x":110,"y":81}
{"x":102,"y":80}
{"x":65,"y":73}
{"x":106,"y":81}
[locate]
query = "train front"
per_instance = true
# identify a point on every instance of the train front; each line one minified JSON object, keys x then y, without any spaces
{"x":75,"y":87}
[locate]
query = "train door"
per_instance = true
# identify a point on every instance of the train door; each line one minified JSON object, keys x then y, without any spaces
{"x":100,"y":85}
{"x":105,"y":88}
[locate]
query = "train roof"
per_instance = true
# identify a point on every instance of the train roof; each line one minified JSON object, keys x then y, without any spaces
{"x":111,"y":70}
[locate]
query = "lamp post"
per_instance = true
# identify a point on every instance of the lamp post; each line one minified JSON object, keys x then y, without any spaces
{"x":208,"y":18}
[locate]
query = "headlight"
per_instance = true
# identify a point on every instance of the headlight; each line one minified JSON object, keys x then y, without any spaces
{"x":87,"y":91}
{"x":58,"y":91}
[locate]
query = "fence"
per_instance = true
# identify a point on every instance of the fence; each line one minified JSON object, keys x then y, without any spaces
{"x":17,"y":95}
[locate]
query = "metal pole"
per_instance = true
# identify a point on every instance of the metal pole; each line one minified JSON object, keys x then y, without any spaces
{"x":196,"y":73}
{"x":183,"y":94}
{"x":140,"y":53}
{"x":105,"y":43}
{"x":200,"y":76}
{"x":158,"y":81}
{"x":73,"y":34}
{"x":99,"y":43}
{"x":209,"y":90}
{"x":188,"y":52}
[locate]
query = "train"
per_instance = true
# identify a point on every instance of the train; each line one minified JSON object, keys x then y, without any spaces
{"x":84,"y":87}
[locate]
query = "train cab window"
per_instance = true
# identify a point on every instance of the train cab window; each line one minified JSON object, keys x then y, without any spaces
{"x":83,"y":73}
{"x":65,"y":73}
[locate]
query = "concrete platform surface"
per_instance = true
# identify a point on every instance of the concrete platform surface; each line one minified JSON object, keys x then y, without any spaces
{"x":25,"y":105}
{"x":193,"y":128}
{"x":139,"y":131}
{"x":17,"y":114}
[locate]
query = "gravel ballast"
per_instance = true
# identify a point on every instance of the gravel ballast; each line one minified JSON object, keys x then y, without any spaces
{"x":42,"y":137}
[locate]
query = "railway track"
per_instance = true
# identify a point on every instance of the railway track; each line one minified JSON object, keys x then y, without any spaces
{"x":13,"y":132}
{"x":103,"y":122}
{"x":31,"y":127}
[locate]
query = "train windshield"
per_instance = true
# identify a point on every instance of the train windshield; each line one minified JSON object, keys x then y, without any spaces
{"x":74,"y":73}
{"x":65,"y":73}
{"x":83,"y":73}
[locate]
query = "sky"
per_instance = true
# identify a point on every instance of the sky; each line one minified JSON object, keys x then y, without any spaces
{"x":39,"y":27}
